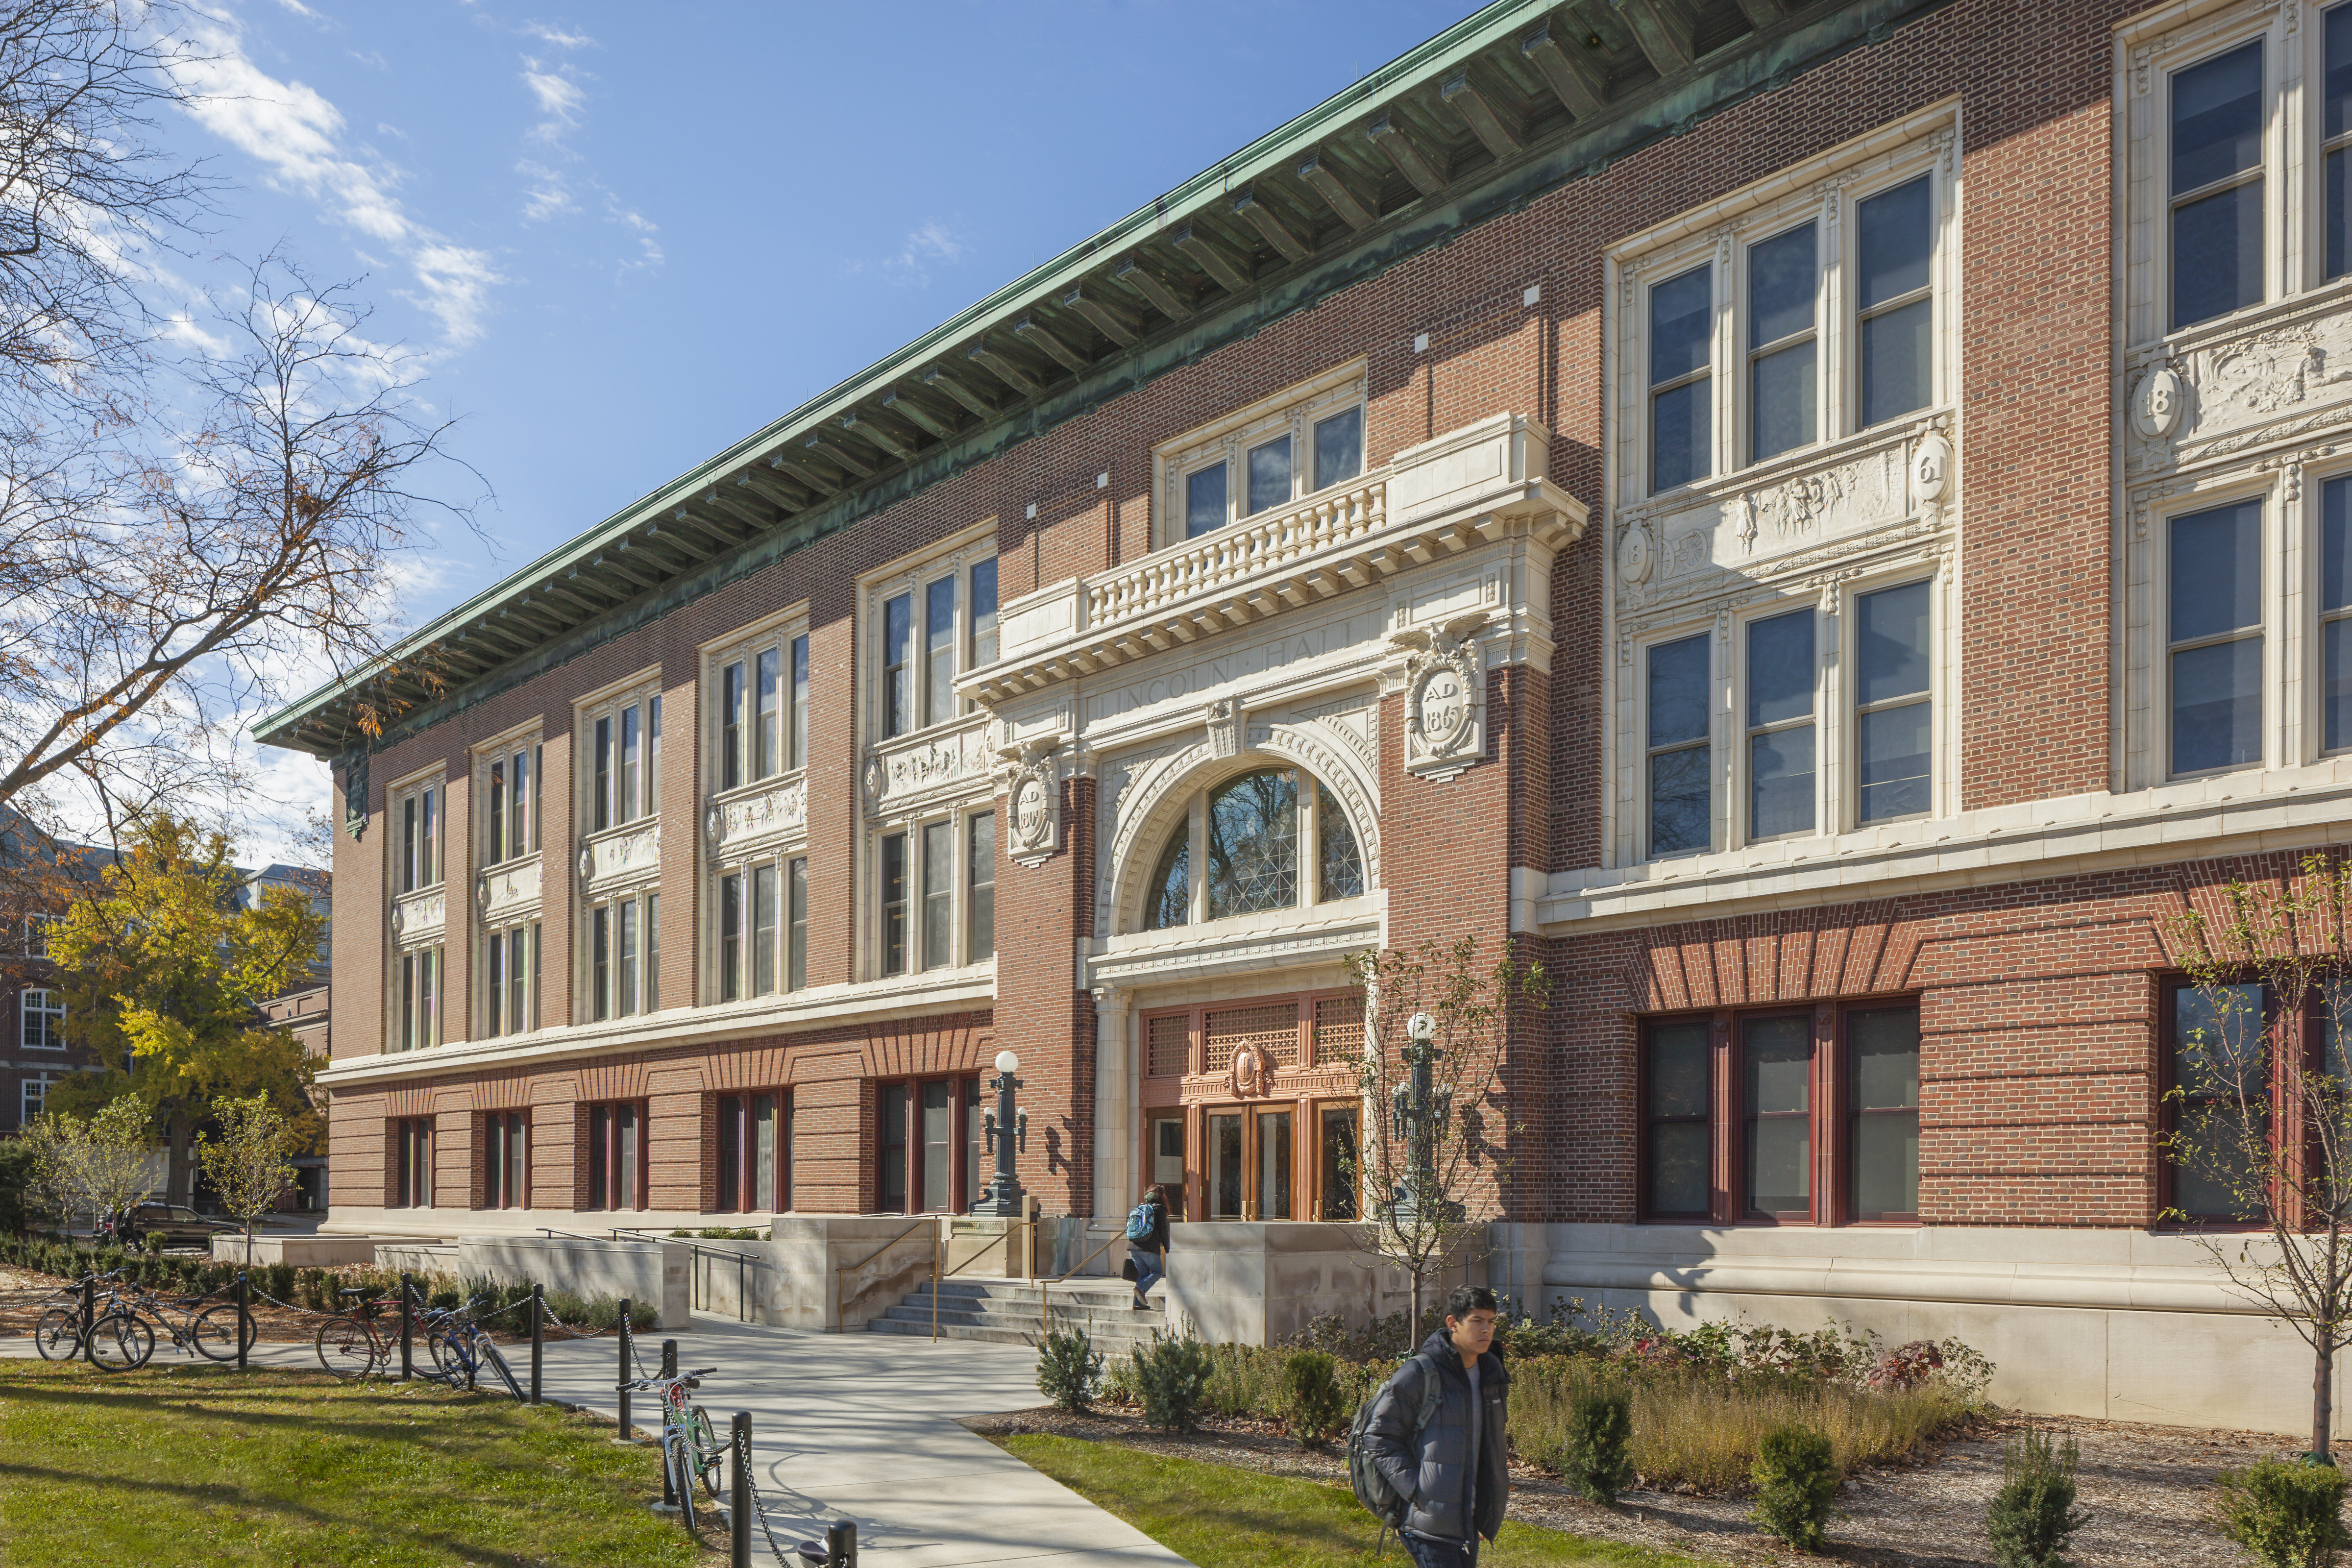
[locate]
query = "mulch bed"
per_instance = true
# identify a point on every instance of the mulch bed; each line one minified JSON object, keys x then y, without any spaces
{"x":2148,"y":1491}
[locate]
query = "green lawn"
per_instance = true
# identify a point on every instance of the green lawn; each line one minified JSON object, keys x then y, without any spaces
{"x":284,"y":1469}
{"x":1221,"y":1516}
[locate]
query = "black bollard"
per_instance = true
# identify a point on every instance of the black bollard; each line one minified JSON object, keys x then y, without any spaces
{"x":628,"y":1345}
{"x":244,"y":1318}
{"x":89,"y":1316}
{"x":739,"y":1496}
{"x":841,"y":1544}
{"x":407,"y":1334}
{"x":538,"y":1336}
{"x":669,"y":1357}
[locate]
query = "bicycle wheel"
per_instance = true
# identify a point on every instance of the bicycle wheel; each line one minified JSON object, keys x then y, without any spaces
{"x":452,"y":1356}
{"x":57,"y":1336}
{"x":498,"y":1363}
{"x":681,"y":1478}
{"x":121,"y":1342}
{"x":214,"y":1332}
{"x":709,"y":1453}
{"x":346,"y":1347}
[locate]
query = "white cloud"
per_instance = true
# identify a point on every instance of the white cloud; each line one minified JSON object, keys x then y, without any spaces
{"x":561,"y":100}
{"x":548,"y":195}
{"x":295,"y":135}
{"x":557,"y":36}
{"x":927,"y":244}
{"x":300,"y":9}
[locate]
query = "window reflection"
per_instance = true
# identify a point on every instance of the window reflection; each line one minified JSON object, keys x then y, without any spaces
{"x":1252,"y":844}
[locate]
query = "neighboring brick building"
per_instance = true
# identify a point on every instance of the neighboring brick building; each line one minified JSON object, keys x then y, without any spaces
{"x":1826,"y":521}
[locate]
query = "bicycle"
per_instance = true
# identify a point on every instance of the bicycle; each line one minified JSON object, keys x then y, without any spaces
{"x":351,"y":1344}
{"x":211,"y":1333}
{"x":689,"y":1448}
{"x":119,"y":1339}
{"x":57,"y":1333}
{"x":459,"y":1347}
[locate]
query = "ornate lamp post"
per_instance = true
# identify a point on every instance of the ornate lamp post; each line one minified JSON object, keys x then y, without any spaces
{"x":1419,"y":1109}
{"x":1003,"y":1198}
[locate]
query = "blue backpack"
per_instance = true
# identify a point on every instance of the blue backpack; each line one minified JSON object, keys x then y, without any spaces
{"x":1142,"y":1220}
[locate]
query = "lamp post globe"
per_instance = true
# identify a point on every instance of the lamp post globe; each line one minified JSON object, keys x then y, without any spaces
{"x":1421,"y":1028}
{"x":1006,"y":1062}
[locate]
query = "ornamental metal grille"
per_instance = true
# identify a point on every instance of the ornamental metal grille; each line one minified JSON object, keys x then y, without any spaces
{"x":1167,"y":1044}
{"x":1271,"y":1027}
{"x":1338,"y":1027}
{"x":1343,"y":863}
{"x":1253,"y":844}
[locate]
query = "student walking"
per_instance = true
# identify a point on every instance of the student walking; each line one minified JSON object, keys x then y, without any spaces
{"x":1451,"y":1469}
{"x":1147,"y":1244}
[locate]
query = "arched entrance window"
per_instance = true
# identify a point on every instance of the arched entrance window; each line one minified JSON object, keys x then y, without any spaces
{"x":1240,"y":848}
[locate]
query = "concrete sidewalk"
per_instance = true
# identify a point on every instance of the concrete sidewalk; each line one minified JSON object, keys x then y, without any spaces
{"x":863,"y":1427}
{"x":856,"y":1426}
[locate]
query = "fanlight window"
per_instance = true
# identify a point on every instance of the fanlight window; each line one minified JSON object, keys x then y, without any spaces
{"x":1252,"y":832}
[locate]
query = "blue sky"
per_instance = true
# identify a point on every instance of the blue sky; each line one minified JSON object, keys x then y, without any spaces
{"x":622,"y":236}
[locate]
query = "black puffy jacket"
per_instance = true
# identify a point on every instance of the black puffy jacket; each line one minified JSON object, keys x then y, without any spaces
{"x":1428,"y":1469}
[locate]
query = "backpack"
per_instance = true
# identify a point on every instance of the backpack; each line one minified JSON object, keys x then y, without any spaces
{"x":1373,"y":1488}
{"x":1141,"y":1221}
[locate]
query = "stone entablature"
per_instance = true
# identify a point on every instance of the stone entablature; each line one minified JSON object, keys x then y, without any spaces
{"x":508,"y":891}
{"x":940,"y":765}
{"x":620,"y":859}
{"x":764,"y":817}
{"x":420,"y":916}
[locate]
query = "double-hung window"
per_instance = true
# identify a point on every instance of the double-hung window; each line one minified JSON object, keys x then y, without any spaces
{"x":936,"y":894}
{"x":616,"y":1155}
{"x":1681,"y":776}
{"x":754,"y":1172}
{"x":625,"y":957}
{"x":1893,"y":729}
{"x":935,"y":621}
{"x":764,"y":707}
{"x":624,"y":743}
{"x":2213,"y":637}
{"x":511,"y":980}
{"x":1257,"y":460}
{"x":43,"y":1019}
{"x":510,"y":804}
{"x":2214,"y":186}
{"x":1782,"y":669}
{"x":415,"y":1011}
{"x":763,"y":928}
{"x":1783,"y":284}
{"x":2336,"y":614}
{"x":416,"y":837}
{"x":1682,"y":387}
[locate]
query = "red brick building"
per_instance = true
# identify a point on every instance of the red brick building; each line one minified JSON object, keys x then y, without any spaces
{"x":1827,"y":522}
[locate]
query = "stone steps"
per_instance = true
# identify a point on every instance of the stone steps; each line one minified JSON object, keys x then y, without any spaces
{"x":1006,"y":1311}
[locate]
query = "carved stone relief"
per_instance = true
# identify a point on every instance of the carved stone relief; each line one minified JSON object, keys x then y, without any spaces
{"x":625,"y":856}
{"x":504,"y":891}
{"x":1033,"y":803}
{"x":734,"y":826}
{"x":2281,"y":381}
{"x":905,"y":771}
{"x":1445,"y":698}
{"x":420,"y":914}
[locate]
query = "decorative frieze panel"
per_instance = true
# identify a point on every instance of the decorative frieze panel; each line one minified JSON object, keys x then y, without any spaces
{"x":619,"y":858}
{"x":738,"y":826}
{"x":508,"y":891}
{"x":1444,"y":698}
{"x":418,"y":916}
{"x":945,"y":763}
{"x":2197,"y":401}
{"x":1033,"y":803}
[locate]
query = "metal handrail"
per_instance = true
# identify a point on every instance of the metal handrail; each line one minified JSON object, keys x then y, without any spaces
{"x":843,"y":1268}
{"x":937,"y":1276}
{"x":1045,"y":1287}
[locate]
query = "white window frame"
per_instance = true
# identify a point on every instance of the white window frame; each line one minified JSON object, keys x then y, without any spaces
{"x":958,"y":821}
{"x":501,"y":753}
{"x":1718,"y":728}
{"x":1296,"y":410}
{"x":1825,"y":191}
{"x":37,"y":934}
{"x":912,"y":575}
{"x":32,"y":1096}
{"x":530,"y":930}
{"x":429,"y":1008}
{"x":1195,"y":819}
{"x":52,"y":1009}
{"x":2304,"y":634}
{"x":648,"y":1000}
{"x":641,"y":690}
{"x":417,"y":787}
{"x":775,"y":634}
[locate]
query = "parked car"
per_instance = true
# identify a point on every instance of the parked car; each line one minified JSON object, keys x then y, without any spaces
{"x":178,"y":1223}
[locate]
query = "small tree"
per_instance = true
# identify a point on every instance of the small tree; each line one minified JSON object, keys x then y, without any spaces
{"x":250,"y":1162}
{"x":99,"y":1165}
{"x":1435,"y":1025}
{"x":2261,"y":1116}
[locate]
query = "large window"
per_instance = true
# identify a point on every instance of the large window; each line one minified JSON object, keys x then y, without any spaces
{"x":43,"y":1022}
{"x":754,"y":1172}
{"x":415,"y":1009}
{"x":936,"y":893}
{"x":2213,"y":636}
{"x":506,"y":1160}
{"x":1893,"y":745}
{"x":1270,"y":455}
{"x":511,"y":980}
{"x":2336,"y":603}
{"x":1781,"y":671}
{"x":762,"y":714}
{"x":1764,"y":327}
{"x":763,"y":928}
{"x":933,"y":622}
{"x":616,"y":1155}
{"x":1806,"y":1115}
{"x":625,"y":957}
{"x":1681,"y":778}
{"x":33,"y":1094}
{"x":928,"y":1142}
{"x":624,"y":760}
{"x":411,"y":1162}
{"x":416,"y":837}
{"x":1249,"y":837}
{"x":510,"y":804}
{"x":2215,"y":184}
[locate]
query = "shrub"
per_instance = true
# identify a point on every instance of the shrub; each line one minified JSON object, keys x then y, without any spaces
{"x":278,"y":1279}
{"x":1171,"y":1379}
{"x":1598,"y":1458}
{"x":1314,"y":1404}
{"x":1795,"y":1478}
{"x":1068,"y":1368}
{"x":2034,"y":1512}
{"x":1119,"y":1384}
{"x":152,"y":1243}
{"x":2287,"y":1515}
